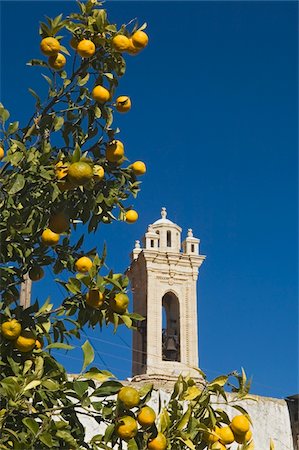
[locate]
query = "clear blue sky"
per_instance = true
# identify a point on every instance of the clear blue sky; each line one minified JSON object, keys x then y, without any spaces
{"x":215,"y":110}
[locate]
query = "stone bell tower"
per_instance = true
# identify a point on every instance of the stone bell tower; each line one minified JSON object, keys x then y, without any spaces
{"x":163,"y":279}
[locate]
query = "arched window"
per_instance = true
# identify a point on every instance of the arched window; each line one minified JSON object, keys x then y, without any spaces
{"x":168,"y":238}
{"x":170,"y":327}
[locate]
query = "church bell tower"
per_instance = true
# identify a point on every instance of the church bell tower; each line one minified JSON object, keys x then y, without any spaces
{"x":163,"y":279}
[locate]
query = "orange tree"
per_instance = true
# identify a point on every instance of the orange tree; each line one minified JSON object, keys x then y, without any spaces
{"x":68,"y":165}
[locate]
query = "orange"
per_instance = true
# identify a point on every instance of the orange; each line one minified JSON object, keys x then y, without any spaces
{"x":94,"y":298}
{"x":138,"y":167}
{"x":61,"y":169}
{"x":57,"y":62}
{"x":132,"y":50}
{"x":59,"y":223}
{"x":98,"y":172}
{"x":100,"y":94}
{"x":120,"y":303}
{"x":211,"y":436}
{"x":74,"y":42}
{"x":240,"y":424}
{"x":25,"y":342}
{"x":120,"y":43}
{"x":36,"y":273}
{"x":49,"y":237}
{"x":114,"y":151}
{"x":140,"y":39}
{"x":80,"y":173}
{"x":49,"y":46}
{"x":129,"y":397}
{"x":226,"y":435}
{"x":11,"y":329}
{"x":83,"y":264}
{"x":2,"y":154}
{"x":241,"y":438}
{"x":131,"y":216}
{"x":158,"y":443}
{"x":146,"y":416}
{"x":123,"y":104}
{"x":86,"y":48}
{"x":39,"y":344}
{"x":126,"y":428}
{"x":217,"y":446}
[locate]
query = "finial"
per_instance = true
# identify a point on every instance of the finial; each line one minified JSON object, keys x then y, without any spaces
{"x":163,"y":213}
{"x":137,"y":244}
{"x":190,"y":233}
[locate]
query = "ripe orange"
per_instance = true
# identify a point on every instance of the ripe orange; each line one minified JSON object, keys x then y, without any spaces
{"x":211,"y":436}
{"x":226,"y":435}
{"x":39,"y":344}
{"x":86,"y":48}
{"x":80,"y":173}
{"x":36,"y":273}
{"x":114,"y":151}
{"x":158,"y":443}
{"x":240,"y":424}
{"x":140,"y":39}
{"x":98,"y":172}
{"x":83,"y":264}
{"x":49,"y":46}
{"x":50,"y":238}
{"x":132,"y":50}
{"x":146,"y":416}
{"x":120,"y":303}
{"x":129,"y":397}
{"x":131,"y":216}
{"x":57,"y":62}
{"x":2,"y":154}
{"x":58,"y":223}
{"x":217,"y":446}
{"x":120,"y":43}
{"x":123,"y":103}
{"x":139,"y":168}
{"x":25,"y":342}
{"x":11,"y":329}
{"x":94,"y":298}
{"x":100,"y":94}
{"x":126,"y":428}
{"x":241,"y":438}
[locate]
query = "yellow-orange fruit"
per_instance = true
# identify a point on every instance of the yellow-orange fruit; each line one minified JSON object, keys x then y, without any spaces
{"x":140,"y":39}
{"x":86,"y":48}
{"x":129,"y":397}
{"x":123,"y":103}
{"x":11,"y":329}
{"x":157,"y":443}
{"x":146,"y":416}
{"x":120,"y":43}
{"x":131,"y":216}
{"x":49,"y":46}
{"x":83,"y":264}
{"x":49,"y":237}
{"x":57,"y":62}
{"x":94,"y":298}
{"x":139,"y":168}
{"x":120,"y":303}
{"x":114,"y":151}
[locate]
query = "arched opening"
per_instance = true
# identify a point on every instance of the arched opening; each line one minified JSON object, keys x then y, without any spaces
{"x":170,"y":327}
{"x":168,"y":238}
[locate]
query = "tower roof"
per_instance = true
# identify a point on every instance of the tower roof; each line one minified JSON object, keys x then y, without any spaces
{"x":163,"y":218}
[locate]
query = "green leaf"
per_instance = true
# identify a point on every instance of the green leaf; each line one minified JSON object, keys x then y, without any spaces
{"x":98,"y":375}
{"x":127,"y":321}
{"x":132,"y":445}
{"x":219,"y":381}
{"x":185,"y":419}
{"x":31,"y":425}
{"x":188,"y":443}
{"x":32,"y":385}
{"x":46,"y":439}
{"x":60,"y":345}
{"x":108,"y":432}
{"x":18,"y":184}
{"x":88,"y":353}
{"x":58,"y":123}
{"x":77,"y":154}
{"x":32,"y":92}
{"x":67,"y":437}
{"x":36,"y":62}
{"x":108,"y":388}
{"x":80,"y":387}
{"x":84,"y":80}
{"x":12,"y":128}
{"x":164,"y":421}
{"x":4,"y":114}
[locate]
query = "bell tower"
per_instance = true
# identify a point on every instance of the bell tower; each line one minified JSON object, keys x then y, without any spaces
{"x":163,"y":279}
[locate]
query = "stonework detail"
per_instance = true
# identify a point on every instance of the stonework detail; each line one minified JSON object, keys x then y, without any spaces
{"x":163,"y":275}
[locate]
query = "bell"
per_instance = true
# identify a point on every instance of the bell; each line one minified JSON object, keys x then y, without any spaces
{"x":171,"y":347}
